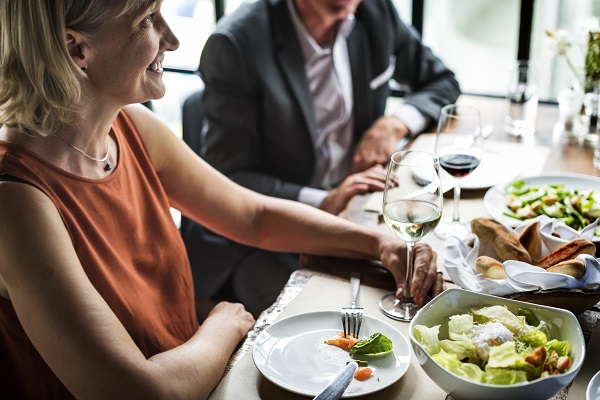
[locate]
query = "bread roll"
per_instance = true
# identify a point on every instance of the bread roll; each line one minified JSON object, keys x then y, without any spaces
{"x":490,"y":267}
{"x":567,"y":251}
{"x":503,"y":241}
{"x":574,"y":268}
{"x":531,"y":239}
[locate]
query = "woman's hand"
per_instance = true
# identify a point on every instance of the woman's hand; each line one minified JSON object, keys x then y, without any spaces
{"x":426,"y":279}
{"x":234,"y":315}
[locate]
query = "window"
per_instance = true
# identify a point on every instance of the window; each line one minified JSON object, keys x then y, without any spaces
{"x":477,"y":39}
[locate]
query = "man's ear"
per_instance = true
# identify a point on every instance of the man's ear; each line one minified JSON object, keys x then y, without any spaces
{"x":77,"y":47}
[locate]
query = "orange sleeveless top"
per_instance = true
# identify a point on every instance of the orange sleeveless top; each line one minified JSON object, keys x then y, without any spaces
{"x":130,"y":248}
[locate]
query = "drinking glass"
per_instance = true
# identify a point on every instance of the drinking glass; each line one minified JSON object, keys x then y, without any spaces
{"x":412,"y":208}
{"x":522,"y":98}
{"x":459,"y":148}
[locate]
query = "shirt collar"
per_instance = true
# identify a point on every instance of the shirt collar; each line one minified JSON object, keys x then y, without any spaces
{"x":310,"y":48}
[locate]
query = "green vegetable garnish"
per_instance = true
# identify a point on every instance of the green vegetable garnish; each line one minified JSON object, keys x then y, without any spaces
{"x":360,"y":363}
{"x":376,"y":344}
{"x":575,"y":208}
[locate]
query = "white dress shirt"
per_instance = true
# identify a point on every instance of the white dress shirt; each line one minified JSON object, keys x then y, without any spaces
{"x":330,"y":83}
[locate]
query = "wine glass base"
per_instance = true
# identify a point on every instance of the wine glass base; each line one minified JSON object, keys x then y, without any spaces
{"x":459,"y":229}
{"x":403,"y":309}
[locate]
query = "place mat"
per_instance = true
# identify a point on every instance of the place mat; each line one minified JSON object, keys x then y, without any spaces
{"x":244,"y":381}
{"x":531,"y":160}
{"x":591,"y":365}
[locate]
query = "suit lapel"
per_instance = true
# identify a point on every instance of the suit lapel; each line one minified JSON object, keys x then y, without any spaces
{"x":290,"y":58}
{"x":360,"y":65}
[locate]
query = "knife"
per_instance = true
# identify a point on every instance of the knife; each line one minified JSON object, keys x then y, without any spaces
{"x":338,"y":385}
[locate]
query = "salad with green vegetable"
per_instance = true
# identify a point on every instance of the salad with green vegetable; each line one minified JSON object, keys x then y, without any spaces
{"x":576,"y":208}
{"x":494,"y":346}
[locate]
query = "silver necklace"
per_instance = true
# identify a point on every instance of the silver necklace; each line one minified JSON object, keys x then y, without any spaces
{"x":107,"y":167}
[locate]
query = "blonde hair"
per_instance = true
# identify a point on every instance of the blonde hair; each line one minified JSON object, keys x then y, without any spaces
{"x":39,"y":91}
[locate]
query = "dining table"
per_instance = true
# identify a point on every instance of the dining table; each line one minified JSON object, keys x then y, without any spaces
{"x":322,"y":283}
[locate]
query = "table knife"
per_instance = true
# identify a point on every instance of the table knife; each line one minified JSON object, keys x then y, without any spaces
{"x":338,"y":385}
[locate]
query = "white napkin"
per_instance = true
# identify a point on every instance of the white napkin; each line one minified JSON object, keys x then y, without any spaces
{"x":460,"y":261}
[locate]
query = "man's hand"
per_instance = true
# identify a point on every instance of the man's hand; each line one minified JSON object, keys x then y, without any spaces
{"x":425,"y":280}
{"x":378,"y":143}
{"x":371,"y":180}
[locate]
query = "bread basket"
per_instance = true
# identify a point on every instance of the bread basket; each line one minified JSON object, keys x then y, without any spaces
{"x":460,"y":257}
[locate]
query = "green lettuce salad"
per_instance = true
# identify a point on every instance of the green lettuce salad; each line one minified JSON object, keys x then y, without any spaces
{"x":576,"y":208}
{"x":494,"y":346}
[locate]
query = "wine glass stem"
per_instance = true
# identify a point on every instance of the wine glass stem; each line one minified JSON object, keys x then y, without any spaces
{"x":409,"y":270}
{"x":456,"y":213}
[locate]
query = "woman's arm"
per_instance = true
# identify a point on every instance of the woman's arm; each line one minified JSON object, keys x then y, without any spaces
{"x":73,"y":328}
{"x":206,"y":196}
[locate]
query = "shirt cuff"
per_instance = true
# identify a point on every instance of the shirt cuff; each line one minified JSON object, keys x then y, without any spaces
{"x":311,"y":196}
{"x":412,"y":118}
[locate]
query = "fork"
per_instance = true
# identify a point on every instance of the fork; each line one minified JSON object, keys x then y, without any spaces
{"x":352,"y":316}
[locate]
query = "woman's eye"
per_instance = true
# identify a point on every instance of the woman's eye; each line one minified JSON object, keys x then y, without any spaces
{"x":150,"y":18}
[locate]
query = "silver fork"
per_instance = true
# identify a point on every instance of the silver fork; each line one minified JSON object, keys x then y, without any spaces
{"x":352,"y":316}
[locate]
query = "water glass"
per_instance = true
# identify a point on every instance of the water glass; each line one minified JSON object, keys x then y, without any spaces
{"x":522,"y":99}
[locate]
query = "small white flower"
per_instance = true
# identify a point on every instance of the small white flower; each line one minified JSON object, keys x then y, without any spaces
{"x":560,"y":42}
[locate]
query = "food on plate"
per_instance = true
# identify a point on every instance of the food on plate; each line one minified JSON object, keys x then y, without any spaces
{"x":568,"y":251}
{"x":504,"y":242}
{"x":494,"y":346}
{"x":375,"y":345}
{"x":576,"y":208}
{"x":531,"y":239}
{"x":490,"y":267}
{"x":574,"y":268}
{"x":344,"y":342}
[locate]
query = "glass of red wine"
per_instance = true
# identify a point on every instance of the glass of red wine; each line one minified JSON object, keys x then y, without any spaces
{"x":459,"y":148}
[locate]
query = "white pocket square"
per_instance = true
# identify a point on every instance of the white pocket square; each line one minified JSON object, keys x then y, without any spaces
{"x":385,"y":75}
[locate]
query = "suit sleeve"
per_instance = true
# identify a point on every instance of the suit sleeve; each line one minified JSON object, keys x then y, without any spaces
{"x":232,"y":102}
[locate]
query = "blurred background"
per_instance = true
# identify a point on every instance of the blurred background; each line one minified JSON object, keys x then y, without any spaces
{"x":477,"y":39}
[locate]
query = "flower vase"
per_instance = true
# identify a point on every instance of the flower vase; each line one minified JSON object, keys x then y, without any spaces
{"x":591,"y":90}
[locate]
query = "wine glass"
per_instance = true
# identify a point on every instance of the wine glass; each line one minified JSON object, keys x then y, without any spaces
{"x":459,"y":148}
{"x":412,"y":208}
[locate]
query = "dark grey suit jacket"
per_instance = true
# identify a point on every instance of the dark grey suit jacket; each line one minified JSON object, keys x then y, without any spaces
{"x":261,"y":127}
{"x":260,"y":114}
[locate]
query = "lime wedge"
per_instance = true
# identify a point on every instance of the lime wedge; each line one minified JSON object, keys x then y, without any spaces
{"x":375,"y":345}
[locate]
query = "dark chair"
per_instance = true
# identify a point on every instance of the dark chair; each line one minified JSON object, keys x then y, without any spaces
{"x":193,"y":122}
{"x":203,"y":246}
{"x":194,"y":127}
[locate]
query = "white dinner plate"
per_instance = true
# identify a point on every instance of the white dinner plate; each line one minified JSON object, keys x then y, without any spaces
{"x":495,"y":198}
{"x":493,"y":169}
{"x":292,"y":354}
{"x":593,"y":388}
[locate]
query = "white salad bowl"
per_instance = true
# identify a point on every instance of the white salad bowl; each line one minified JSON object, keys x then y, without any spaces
{"x":460,"y":301}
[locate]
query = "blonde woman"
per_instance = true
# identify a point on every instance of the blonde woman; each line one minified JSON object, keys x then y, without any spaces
{"x":96,"y":297}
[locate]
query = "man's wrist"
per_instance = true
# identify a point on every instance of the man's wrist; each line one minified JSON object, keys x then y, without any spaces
{"x":398,"y":126}
{"x":412,"y":118}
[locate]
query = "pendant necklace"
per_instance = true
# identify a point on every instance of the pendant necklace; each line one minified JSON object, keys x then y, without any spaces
{"x":107,"y":167}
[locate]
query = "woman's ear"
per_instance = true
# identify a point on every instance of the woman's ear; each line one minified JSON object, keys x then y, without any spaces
{"x":77,"y":47}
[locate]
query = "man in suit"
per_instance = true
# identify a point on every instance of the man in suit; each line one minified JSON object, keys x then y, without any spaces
{"x":295,"y":99}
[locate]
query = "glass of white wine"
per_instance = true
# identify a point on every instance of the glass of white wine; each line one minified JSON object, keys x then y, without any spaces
{"x":412,"y":208}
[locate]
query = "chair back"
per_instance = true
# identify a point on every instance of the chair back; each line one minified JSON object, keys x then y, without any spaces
{"x":194,"y":127}
{"x":194,"y":124}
